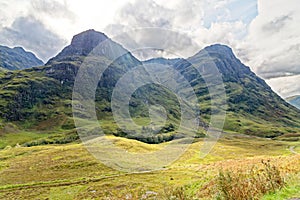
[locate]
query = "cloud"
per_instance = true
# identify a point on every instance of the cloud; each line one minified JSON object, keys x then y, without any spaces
{"x":286,"y":86}
{"x":52,"y":8}
{"x":157,"y":38}
{"x":34,"y":24}
{"x":150,"y":42}
{"x":61,"y":19}
{"x":138,"y":14}
{"x":56,"y":16}
{"x":31,"y":34}
{"x":265,"y":35}
{"x":10,"y":10}
{"x":202,"y":22}
{"x":274,"y":39}
{"x":277,"y":24}
{"x":205,"y":21}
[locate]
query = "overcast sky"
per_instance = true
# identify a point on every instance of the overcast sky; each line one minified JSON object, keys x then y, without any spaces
{"x":264,"y":34}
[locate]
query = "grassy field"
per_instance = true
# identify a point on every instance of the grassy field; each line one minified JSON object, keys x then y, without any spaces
{"x":69,"y":171}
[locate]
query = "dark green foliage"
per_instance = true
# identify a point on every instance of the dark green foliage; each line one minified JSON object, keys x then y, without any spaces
{"x":162,"y":136}
{"x":168,"y":128}
{"x":56,"y":139}
{"x":68,"y":125}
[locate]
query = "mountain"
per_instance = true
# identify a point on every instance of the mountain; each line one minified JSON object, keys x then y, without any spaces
{"x":295,"y":101}
{"x":38,"y":90}
{"x":253,"y":108}
{"x":40,"y":98}
{"x":17,"y":58}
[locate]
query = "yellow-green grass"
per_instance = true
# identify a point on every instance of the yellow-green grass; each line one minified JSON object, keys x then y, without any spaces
{"x":12,"y":139}
{"x":71,"y":172}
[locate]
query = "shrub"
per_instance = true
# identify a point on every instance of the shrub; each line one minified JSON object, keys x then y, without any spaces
{"x":58,"y":139}
{"x":176,"y":193}
{"x":251,"y":184}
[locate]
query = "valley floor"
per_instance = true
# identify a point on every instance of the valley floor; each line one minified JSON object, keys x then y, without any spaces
{"x":70,"y":172}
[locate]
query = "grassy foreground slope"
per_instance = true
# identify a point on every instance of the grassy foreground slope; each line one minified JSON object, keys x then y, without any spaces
{"x":70,"y":172}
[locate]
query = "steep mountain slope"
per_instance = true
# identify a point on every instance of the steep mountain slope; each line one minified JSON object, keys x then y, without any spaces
{"x":249,"y":95}
{"x":295,"y":101}
{"x":17,"y":58}
{"x":40,"y":98}
{"x":253,"y":108}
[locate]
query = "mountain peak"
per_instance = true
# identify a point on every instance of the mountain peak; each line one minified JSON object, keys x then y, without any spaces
{"x":219,"y":49}
{"x":218,"y":46}
{"x":20,"y":49}
{"x":224,"y":59}
{"x":88,"y":39}
{"x":81,"y":45}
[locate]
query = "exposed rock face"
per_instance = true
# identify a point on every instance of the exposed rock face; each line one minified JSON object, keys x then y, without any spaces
{"x":82,"y":44}
{"x":225,"y":60}
{"x":91,"y":41}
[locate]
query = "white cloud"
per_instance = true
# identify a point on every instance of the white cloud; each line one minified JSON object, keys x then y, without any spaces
{"x":205,"y":22}
{"x":285,"y":86}
{"x":273,"y":42}
{"x":269,"y":44}
{"x":30,"y":33}
{"x":10,"y":10}
{"x":61,"y":18}
{"x":272,"y":47}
